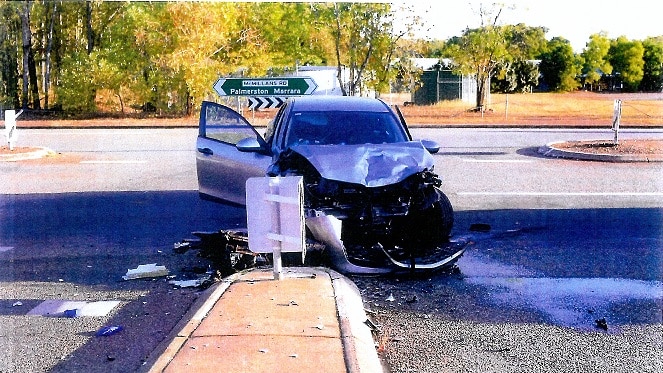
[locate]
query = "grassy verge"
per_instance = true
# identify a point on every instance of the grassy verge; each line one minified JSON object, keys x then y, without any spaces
{"x":578,"y":109}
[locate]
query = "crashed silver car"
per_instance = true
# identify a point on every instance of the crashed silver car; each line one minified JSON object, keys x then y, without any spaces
{"x":370,"y":193}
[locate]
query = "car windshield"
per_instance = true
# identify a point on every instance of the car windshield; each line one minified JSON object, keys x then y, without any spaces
{"x":343,"y":127}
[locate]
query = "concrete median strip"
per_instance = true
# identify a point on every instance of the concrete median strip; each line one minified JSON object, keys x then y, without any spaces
{"x":555,"y":151}
{"x":310,"y":321}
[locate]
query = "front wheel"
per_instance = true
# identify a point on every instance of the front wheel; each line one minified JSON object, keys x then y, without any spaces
{"x":431,"y":226}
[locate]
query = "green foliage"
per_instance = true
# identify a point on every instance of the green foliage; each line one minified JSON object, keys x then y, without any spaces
{"x":560,"y":66}
{"x":9,"y":78}
{"x":652,"y":79}
{"x":595,"y":58}
{"x":626,"y":57}
{"x":112,"y":55}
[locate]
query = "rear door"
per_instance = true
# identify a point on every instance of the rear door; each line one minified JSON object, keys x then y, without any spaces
{"x":223,"y":169}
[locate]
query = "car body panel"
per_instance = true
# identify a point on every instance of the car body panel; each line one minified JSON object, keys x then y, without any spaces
{"x":221,"y":167}
{"x":370,"y":165}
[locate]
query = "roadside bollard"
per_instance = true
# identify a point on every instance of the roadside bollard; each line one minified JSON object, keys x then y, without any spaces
{"x":10,"y":127}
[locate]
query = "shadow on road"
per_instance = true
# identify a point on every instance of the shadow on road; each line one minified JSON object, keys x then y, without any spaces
{"x":565,"y":267}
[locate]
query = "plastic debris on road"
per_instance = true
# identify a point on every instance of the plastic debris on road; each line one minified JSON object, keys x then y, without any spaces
{"x":188,"y":283}
{"x":146,"y":271}
{"x":109,"y":330}
{"x":72,"y":313}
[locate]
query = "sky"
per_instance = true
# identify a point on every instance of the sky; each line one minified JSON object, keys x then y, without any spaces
{"x":573,"y":20}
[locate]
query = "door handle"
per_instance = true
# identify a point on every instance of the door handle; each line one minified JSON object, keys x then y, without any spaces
{"x":207,"y":151}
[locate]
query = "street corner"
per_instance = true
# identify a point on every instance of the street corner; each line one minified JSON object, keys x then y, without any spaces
{"x":23,"y":153}
{"x":641,"y":150}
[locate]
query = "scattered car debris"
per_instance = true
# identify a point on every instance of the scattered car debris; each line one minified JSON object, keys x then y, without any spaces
{"x":413,"y":299}
{"x":480,"y":227}
{"x":601,"y":323}
{"x":188,"y":283}
{"x":109,"y":330}
{"x":146,"y":271}
{"x":72,"y":313}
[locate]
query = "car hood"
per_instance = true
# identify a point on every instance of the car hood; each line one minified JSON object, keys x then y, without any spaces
{"x":371,"y":165}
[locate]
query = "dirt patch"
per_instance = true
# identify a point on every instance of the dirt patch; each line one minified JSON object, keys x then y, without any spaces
{"x":623,"y":147}
{"x":4,"y":150}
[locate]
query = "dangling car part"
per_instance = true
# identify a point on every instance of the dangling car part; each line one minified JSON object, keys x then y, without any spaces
{"x":371,"y":195}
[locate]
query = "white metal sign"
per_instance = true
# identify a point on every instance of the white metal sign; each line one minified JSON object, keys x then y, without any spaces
{"x":275,"y":216}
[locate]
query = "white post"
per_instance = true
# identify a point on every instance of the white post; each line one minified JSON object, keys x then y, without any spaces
{"x":10,"y":127}
{"x":276,"y":228}
{"x":616,"y":119}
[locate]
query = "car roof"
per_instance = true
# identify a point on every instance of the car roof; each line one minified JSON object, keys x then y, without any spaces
{"x":338,"y":103}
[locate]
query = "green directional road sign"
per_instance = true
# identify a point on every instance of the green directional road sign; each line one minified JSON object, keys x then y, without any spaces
{"x":290,"y":86}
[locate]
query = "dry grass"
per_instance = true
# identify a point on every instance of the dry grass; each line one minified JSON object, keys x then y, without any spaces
{"x":542,"y":109}
{"x":579,"y":109}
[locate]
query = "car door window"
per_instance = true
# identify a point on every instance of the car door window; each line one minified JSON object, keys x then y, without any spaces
{"x":221,"y":123}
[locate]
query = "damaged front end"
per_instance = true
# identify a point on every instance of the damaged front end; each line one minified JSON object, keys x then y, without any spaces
{"x":377,"y":208}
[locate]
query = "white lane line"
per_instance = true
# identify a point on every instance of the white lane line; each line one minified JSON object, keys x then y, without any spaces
{"x":565,"y":194}
{"x":113,"y":162}
{"x":498,"y":160}
{"x":6,"y":248}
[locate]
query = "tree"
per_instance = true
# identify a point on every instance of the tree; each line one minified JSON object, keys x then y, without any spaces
{"x":652,"y":78}
{"x":481,"y":52}
{"x":519,"y":72}
{"x":361,"y":34}
{"x":9,"y":75}
{"x":29,"y":69}
{"x":559,"y":66}
{"x":595,"y":57}
{"x":626,"y":57}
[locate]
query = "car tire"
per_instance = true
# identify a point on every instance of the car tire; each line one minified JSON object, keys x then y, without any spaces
{"x":431,"y":226}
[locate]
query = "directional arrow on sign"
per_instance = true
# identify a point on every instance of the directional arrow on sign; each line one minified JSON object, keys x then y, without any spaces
{"x":265,"y":102}
{"x":265,"y":87}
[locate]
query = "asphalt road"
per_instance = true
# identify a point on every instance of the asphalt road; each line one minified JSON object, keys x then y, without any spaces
{"x":570,"y":242}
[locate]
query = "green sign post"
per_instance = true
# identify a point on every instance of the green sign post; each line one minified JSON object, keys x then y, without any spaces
{"x":291,"y":86}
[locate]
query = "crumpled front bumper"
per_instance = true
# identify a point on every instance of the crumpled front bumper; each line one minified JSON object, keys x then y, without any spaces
{"x":327,"y":229}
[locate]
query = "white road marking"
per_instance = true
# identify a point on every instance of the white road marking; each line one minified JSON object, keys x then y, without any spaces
{"x":565,"y":194}
{"x":498,"y":160}
{"x":6,"y":248}
{"x":55,"y":307}
{"x":114,"y":162}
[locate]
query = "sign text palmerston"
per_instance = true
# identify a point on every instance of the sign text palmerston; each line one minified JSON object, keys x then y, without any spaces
{"x":294,"y":86}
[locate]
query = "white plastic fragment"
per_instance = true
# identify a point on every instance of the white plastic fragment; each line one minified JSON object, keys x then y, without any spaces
{"x":17,"y":304}
{"x":146,"y":270}
{"x":390,"y":298}
{"x":187,"y":283}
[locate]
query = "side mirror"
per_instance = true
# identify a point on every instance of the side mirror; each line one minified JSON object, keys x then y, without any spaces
{"x":431,"y":146}
{"x":250,"y":145}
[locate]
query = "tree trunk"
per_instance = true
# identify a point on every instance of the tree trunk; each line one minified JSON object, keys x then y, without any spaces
{"x":49,"y":48}
{"x":337,"y":44}
{"x":26,"y":38}
{"x":88,"y":27}
{"x":34,"y":86}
